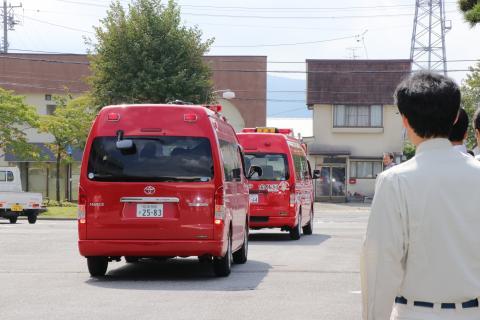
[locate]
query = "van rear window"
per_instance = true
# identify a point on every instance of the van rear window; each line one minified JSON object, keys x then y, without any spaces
{"x":151,"y":159}
{"x":274,"y":166}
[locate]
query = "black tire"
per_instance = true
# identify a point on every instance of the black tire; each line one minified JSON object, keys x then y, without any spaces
{"x":308,"y":229}
{"x":13,"y":219}
{"x":97,"y":266}
{"x":204,"y":259}
{"x":222,"y":266}
{"x":241,"y":255}
{"x":32,"y":218}
{"x":296,"y":232}
{"x":132,"y":259}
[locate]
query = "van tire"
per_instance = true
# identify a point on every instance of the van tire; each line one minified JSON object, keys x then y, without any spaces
{"x":308,"y":229}
{"x":129,"y":259}
{"x":296,"y":232}
{"x":241,"y":255}
{"x":97,"y":266}
{"x":32,"y":218}
{"x":222,"y":266}
{"x":13,"y":219}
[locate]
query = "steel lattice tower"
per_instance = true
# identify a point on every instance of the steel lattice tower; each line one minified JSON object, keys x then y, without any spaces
{"x":428,"y":51}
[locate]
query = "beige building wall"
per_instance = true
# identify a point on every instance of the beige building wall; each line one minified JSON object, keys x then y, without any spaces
{"x":363,"y":142}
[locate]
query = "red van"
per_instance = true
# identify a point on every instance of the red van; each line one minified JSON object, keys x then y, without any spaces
{"x":282,"y":196}
{"x":162,"y":181}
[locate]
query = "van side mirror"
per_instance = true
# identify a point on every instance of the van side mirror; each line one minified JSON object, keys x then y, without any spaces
{"x":253,"y":170}
{"x":316,"y":174}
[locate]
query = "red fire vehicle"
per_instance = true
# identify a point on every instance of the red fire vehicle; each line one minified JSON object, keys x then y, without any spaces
{"x":282,"y":196}
{"x":162,"y":181}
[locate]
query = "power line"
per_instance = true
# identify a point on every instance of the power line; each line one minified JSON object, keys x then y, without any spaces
{"x":58,"y":25}
{"x":298,"y":17}
{"x":285,"y":44}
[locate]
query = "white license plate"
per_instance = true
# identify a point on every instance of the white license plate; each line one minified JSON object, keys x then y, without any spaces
{"x":254,"y":198}
{"x":145,"y":210}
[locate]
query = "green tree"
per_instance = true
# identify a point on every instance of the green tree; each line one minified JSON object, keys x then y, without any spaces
{"x":409,"y":150}
{"x":146,"y":55}
{"x":471,"y":10}
{"x":471,"y":99}
{"x":69,"y":125}
{"x":16,"y":117}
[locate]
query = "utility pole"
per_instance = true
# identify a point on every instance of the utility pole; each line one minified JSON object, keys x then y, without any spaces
{"x":9,"y":22}
{"x":428,"y":49}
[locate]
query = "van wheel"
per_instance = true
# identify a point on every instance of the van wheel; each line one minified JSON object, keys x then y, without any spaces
{"x":97,"y":266}
{"x":13,"y":219}
{"x":132,"y":259}
{"x":308,"y":229}
{"x":222,"y":266}
{"x":241,"y":255}
{"x":296,"y":232}
{"x":32,"y":218}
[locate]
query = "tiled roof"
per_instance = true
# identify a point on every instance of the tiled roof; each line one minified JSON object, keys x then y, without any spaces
{"x":354,"y":81}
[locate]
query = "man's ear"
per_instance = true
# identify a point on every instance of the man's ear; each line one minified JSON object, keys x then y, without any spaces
{"x":405,"y":122}
{"x":477,"y":133}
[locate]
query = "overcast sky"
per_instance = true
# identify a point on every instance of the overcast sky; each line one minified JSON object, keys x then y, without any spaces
{"x":60,"y":25}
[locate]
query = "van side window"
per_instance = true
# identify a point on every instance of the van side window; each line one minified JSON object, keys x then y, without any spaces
{"x":231,"y":160}
{"x":297,"y":161}
{"x":9,"y":176}
{"x":3,"y":176}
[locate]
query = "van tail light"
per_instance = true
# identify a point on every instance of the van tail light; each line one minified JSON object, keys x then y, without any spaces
{"x":190,"y":117}
{"x":112,"y":116}
{"x":219,"y":206}
{"x":82,"y":204}
{"x":292,"y":196}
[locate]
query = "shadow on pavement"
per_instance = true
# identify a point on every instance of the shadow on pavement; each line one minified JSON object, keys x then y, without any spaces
{"x":283,"y":238}
{"x":181,"y":274}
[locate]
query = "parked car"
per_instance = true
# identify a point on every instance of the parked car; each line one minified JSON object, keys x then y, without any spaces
{"x":13,"y":201}
{"x":162,"y":181}
{"x":282,"y":196}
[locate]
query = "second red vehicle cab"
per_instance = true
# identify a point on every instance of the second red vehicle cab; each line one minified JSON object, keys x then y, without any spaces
{"x":161,"y":181}
{"x":282,"y":196}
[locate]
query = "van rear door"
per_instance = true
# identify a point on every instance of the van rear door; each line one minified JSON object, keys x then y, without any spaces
{"x":159,"y":188}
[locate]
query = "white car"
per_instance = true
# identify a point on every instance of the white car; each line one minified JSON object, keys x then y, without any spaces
{"x":13,"y":201}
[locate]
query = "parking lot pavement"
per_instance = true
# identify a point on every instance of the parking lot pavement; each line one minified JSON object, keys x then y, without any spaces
{"x":42,"y":276}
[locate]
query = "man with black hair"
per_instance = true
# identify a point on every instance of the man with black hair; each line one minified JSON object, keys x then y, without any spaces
{"x":420,"y":258}
{"x":459,"y":132}
{"x":476,"y":127}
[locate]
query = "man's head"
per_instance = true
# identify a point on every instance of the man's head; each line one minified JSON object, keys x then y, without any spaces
{"x":476,"y":125}
{"x":459,"y":129}
{"x":387,"y":158}
{"x":428,"y":103}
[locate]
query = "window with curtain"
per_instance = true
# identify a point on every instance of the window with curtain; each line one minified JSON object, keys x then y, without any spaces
{"x":365,"y":169}
{"x":358,"y":116}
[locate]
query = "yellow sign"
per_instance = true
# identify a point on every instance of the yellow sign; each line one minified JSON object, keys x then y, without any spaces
{"x":266,"y":130}
{"x":17,"y":207}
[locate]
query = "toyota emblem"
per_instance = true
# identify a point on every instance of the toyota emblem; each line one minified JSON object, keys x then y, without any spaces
{"x":149,"y":190}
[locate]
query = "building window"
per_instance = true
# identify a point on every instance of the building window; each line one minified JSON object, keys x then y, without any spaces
{"x":365,"y":169}
{"x":48,"y":97}
{"x":51,"y":109}
{"x":357,"y":116}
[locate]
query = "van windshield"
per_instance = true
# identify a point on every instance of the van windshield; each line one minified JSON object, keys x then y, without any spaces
{"x":151,"y":159}
{"x":274,"y":166}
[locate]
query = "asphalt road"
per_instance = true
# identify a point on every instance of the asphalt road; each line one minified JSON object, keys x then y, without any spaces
{"x":42,"y":276}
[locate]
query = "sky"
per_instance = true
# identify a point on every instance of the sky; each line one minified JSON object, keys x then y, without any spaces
{"x":287,"y":32}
